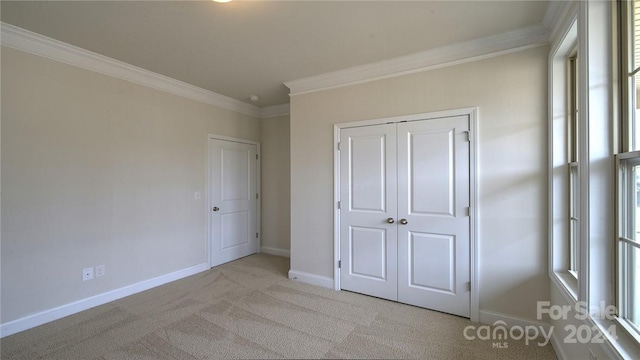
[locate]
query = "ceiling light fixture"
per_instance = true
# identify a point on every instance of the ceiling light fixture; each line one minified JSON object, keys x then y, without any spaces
{"x":222,"y":1}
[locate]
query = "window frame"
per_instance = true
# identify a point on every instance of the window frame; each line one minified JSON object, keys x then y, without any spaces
{"x":573,"y":178}
{"x":559,"y":198}
{"x":624,"y":163}
{"x":626,"y":158}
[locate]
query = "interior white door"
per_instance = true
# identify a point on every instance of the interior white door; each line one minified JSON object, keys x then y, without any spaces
{"x":404,"y":225}
{"x":434,"y":225}
{"x":368,"y":245}
{"x":232,"y":200}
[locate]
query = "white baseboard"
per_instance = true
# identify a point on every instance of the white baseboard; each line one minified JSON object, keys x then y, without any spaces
{"x":59,"y":312}
{"x":557,"y":347}
{"x":490,"y":317}
{"x":322,"y":281}
{"x":275,"y":251}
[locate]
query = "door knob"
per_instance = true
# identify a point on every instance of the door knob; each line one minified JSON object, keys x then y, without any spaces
{"x":390,"y":220}
{"x":403,"y":221}
{"x":215,"y":208}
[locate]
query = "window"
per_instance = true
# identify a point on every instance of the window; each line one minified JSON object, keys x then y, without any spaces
{"x":629,"y":245}
{"x":628,"y":172}
{"x":572,"y":158}
{"x":564,"y":206}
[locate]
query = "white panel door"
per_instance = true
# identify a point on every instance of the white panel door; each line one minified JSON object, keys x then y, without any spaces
{"x":433,"y":225}
{"x":404,"y":225}
{"x":368,"y":244}
{"x":232,"y":205}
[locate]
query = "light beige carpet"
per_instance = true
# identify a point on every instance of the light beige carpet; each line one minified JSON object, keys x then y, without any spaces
{"x":249,"y":309}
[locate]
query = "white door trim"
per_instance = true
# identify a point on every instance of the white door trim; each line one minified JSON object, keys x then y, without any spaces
{"x":208,"y":204}
{"x":472,"y":112}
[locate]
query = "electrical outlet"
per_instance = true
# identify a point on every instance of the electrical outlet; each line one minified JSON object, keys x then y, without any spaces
{"x":100,"y":271}
{"x":87,"y":274}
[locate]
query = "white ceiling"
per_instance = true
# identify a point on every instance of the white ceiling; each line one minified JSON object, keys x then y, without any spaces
{"x":252,"y":47}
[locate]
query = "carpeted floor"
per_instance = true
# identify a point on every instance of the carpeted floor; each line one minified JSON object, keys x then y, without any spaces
{"x":249,"y":309}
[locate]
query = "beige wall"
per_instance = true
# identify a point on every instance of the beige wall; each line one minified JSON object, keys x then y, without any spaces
{"x":511,"y":94}
{"x":275,"y":182}
{"x":97,"y":170}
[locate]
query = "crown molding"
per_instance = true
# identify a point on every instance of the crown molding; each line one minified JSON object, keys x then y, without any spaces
{"x":556,"y":14}
{"x":273,"y":111}
{"x":425,"y":60}
{"x":551,"y":14}
{"x":36,"y":44}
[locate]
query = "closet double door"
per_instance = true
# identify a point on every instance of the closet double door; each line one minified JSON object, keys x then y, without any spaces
{"x":404,"y":214}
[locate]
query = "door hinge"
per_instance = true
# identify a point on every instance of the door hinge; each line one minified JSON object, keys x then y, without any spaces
{"x":339,"y":264}
{"x":257,"y":156}
{"x":468,"y":133}
{"x":468,"y":285}
{"x":339,"y":146}
{"x":256,"y":195}
{"x":256,"y":235}
{"x":467,"y":211}
{"x":339,"y":204}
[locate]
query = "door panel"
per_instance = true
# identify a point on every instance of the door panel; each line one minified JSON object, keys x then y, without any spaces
{"x":235,"y":168}
{"x":433,"y":260}
{"x":367,"y":173}
{"x":233,"y":205}
{"x":431,"y":161}
{"x":368,"y":189}
{"x":235,"y":229}
{"x":368,"y":254}
{"x":433,"y":195}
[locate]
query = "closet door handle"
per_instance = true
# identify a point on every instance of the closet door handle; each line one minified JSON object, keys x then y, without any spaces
{"x":390,"y":220}
{"x":403,"y":221}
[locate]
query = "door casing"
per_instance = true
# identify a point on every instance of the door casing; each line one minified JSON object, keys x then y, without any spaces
{"x":208,"y":203}
{"x":472,"y":112}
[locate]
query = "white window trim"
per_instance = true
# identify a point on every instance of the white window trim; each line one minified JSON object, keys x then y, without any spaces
{"x":559,"y":161}
{"x":596,"y":29}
